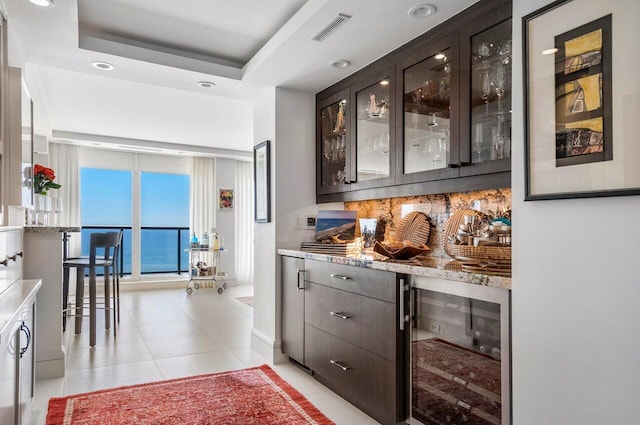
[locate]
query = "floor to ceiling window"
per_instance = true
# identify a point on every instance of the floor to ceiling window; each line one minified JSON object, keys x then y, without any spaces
{"x":151,"y":207}
{"x":164,"y":207}
{"x":107,"y":206}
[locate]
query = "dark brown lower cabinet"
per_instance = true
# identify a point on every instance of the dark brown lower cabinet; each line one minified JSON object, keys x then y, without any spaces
{"x":293,"y":308}
{"x":365,"y":379}
{"x":353,"y":341}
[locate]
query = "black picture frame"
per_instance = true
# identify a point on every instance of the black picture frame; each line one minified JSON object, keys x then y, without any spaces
{"x":549,"y":175}
{"x":262,"y":182}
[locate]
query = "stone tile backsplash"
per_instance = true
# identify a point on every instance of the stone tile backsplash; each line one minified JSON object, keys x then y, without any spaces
{"x":438,"y":207}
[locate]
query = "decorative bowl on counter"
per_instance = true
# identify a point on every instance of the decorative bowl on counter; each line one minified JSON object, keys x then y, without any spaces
{"x":401,"y":253}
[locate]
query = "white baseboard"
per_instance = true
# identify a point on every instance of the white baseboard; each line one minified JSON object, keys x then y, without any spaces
{"x":50,"y":364}
{"x":267,"y":347}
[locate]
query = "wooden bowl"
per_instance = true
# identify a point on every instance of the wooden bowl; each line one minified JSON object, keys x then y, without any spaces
{"x":401,"y":253}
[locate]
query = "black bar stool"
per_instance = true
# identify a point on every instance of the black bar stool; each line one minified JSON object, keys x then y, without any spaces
{"x":109,"y":242}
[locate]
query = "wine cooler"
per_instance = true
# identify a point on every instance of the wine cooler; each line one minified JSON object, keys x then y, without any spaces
{"x":459,"y":357}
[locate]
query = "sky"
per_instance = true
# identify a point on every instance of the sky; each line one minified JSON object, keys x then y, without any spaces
{"x":106,"y":197}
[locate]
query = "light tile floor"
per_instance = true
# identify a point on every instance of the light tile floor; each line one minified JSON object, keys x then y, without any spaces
{"x":166,"y":334}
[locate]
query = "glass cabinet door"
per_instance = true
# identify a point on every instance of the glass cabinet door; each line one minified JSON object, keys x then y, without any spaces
{"x":333,"y":147}
{"x":486,"y":63}
{"x":373,"y":156}
{"x":491,"y":93}
{"x":429,"y":116}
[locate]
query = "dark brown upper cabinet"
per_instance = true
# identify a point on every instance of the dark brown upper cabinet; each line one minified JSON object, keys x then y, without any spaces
{"x":373,"y":119}
{"x":434,"y":116}
{"x":485,"y":87}
{"x":333,"y":169}
{"x":427,"y":123}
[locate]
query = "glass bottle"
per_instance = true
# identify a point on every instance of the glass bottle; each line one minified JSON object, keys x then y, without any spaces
{"x":205,"y":240}
{"x":194,"y":240}
{"x":216,"y":243}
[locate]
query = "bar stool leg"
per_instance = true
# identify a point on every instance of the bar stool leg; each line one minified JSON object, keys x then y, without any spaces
{"x":92,"y":306}
{"x":107,"y":299}
{"x":79,"y":299}
{"x":65,"y":297}
{"x":115,"y":304}
{"x":117,"y":282}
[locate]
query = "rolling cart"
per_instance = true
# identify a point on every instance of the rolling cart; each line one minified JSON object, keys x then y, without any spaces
{"x":204,"y":266}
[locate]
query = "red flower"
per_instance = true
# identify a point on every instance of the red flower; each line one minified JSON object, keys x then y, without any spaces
{"x":43,"y":178}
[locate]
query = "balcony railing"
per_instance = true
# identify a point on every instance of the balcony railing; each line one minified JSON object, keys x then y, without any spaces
{"x":162,"y":248}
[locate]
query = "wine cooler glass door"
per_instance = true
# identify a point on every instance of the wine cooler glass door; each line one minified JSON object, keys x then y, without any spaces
{"x":459,"y":354}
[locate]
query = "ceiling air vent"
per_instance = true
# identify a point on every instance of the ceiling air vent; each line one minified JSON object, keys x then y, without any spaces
{"x":333,"y":25}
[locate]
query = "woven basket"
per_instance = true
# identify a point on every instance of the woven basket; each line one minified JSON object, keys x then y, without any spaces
{"x":451,"y":228}
{"x":481,"y":252}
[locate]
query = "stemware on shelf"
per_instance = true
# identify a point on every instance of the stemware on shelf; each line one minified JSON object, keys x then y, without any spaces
{"x":56,"y":204}
{"x":500,"y":84}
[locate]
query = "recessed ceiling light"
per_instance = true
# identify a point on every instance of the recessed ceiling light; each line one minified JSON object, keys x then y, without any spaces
{"x":384,"y":82}
{"x":340,"y":63}
{"x":422,"y":11}
{"x":206,"y":84}
{"x":43,"y":3}
{"x":549,"y":51}
{"x":104,"y":66}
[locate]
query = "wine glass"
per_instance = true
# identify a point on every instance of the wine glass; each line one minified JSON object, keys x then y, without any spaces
{"x":341,"y":146}
{"x":56,"y":204}
{"x":487,"y":87}
{"x":498,"y":147}
{"x":445,"y":82}
{"x":504,"y":50}
{"x":484,"y":49}
{"x":438,"y":147}
{"x":327,"y":149}
{"x":500,"y":83}
{"x":477,"y":144}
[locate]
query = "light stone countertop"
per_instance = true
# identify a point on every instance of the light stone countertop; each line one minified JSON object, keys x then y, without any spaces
{"x":442,"y":268}
{"x":51,"y":229}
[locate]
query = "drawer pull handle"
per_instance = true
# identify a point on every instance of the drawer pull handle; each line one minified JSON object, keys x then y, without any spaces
{"x":339,"y":276}
{"x":24,"y":328}
{"x":340,"y":315}
{"x":298,"y":281}
{"x":13,"y":257}
{"x":337,"y":364}
{"x":5,"y":262}
{"x":19,"y":254}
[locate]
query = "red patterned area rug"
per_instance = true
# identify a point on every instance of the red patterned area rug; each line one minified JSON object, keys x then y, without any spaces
{"x":249,"y":396}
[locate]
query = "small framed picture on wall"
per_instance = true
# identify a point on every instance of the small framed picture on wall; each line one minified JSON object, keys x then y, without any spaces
{"x":225,"y":200}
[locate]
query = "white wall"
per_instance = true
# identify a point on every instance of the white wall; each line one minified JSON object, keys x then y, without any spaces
{"x":225,"y":218}
{"x":575,"y":314}
{"x":295,"y":177}
{"x":264,"y":293}
{"x":290,"y":115}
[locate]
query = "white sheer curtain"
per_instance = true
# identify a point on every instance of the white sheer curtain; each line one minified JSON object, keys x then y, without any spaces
{"x":203,"y":197}
{"x":244,"y":221}
{"x":63,"y":159}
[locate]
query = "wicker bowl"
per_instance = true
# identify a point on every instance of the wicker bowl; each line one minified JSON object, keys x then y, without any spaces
{"x":451,"y":228}
{"x":480,"y":252}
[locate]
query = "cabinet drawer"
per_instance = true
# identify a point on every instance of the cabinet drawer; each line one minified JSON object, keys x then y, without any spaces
{"x":369,"y":382}
{"x":372,"y":283}
{"x":363,"y":321}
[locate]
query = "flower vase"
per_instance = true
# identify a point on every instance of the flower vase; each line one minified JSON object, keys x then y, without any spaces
{"x":42,"y":206}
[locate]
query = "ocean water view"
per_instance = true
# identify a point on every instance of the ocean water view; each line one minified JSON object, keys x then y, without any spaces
{"x":158,"y":252}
